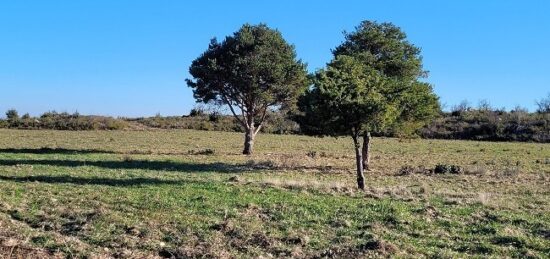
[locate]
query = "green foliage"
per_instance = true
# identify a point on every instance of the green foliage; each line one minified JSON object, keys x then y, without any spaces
{"x":383,"y":47}
{"x":12,"y":115}
{"x":347,"y":96}
{"x":371,"y":85}
{"x":250,"y":71}
{"x":26,"y":116}
{"x":418,"y":105}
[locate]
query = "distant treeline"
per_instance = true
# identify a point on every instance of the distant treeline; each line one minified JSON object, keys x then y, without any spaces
{"x":462,"y":122}
{"x":198,"y":119}
{"x":61,"y":121}
{"x":493,"y":125}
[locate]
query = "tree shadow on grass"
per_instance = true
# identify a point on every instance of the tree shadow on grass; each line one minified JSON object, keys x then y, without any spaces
{"x":92,"y":181}
{"x":134,"y":164}
{"x":46,"y":150}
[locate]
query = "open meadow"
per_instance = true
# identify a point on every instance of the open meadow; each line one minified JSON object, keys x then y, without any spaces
{"x":186,"y":193}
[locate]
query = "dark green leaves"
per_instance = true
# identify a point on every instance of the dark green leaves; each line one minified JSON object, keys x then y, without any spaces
{"x":370,"y":85}
{"x":253,"y":69}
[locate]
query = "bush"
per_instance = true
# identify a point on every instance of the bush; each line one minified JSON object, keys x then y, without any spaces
{"x":12,"y":117}
{"x":214,"y":117}
{"x":12,"y":114}
{"x":447,"y":169}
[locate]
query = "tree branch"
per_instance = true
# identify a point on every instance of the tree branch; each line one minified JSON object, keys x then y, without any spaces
{"x":229,"y":103}
{"x":261,"y":123}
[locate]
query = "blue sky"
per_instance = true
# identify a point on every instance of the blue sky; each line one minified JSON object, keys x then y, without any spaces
{"x":130,"y":58}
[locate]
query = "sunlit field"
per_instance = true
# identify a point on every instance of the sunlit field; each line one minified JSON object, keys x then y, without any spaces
{"x":191,"y":194}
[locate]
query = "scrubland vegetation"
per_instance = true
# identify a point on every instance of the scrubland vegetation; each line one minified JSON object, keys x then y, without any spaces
{"x":185,"y":193}
{"x":472,"y":124}
{"x":486,"y":123}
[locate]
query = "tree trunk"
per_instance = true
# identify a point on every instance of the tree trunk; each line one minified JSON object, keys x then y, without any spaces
{"x":359,"y":162}
{"x":366,"y":151}
{"x":249,"y":141}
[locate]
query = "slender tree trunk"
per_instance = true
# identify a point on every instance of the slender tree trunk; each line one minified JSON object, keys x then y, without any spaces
{"x":359,"y":162}
{"x":249,"y":140}
{"x":366,"y":151}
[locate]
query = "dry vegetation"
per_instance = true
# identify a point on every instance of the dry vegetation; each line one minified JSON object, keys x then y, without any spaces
{"x":191,"y":194}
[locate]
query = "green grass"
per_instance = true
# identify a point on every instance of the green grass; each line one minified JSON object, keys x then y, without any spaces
{"x":161,"y":193}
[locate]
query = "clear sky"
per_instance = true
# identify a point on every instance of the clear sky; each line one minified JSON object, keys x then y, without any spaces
{"x":131,"y":58}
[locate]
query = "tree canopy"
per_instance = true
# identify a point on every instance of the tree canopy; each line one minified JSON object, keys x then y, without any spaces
{"x":385,"y":48}
{"x":251,"y":71}
{"x":347,"y":96}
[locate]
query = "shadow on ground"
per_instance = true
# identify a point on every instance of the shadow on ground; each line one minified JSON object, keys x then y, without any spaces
{"x":46,"y":150}
{"x":133,"y":164}
{"x":92,"y":181}
{"x":144,"y":164}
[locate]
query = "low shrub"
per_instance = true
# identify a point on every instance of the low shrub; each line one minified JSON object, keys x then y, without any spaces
{"x":447,"y":169}
{"x":64,"y":121}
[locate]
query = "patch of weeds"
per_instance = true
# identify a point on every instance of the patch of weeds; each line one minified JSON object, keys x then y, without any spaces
{"x":141,"y":152}
{"x":372,"y":248}
{"x":482,"y":229}
{"x":312,"y":154}
{"x":408,"y":170}
{"x":16,"y":215}
{"x":204,"y":152}
{"x":508,"y":241}
{"x":296,"y":240}
{"x":340,"y":223}
{"x":281,"y":162}
{"x":510,"y":172}
{"x":269,"y":164}
{"x":475,"y":248}
{"x":40,"y":240}
{"x":545,"y":233}
{"x":447,"y":169}
{"x":234,"y":179}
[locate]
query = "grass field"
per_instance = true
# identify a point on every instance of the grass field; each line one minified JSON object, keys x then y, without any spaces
{"x":191,"y":194}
